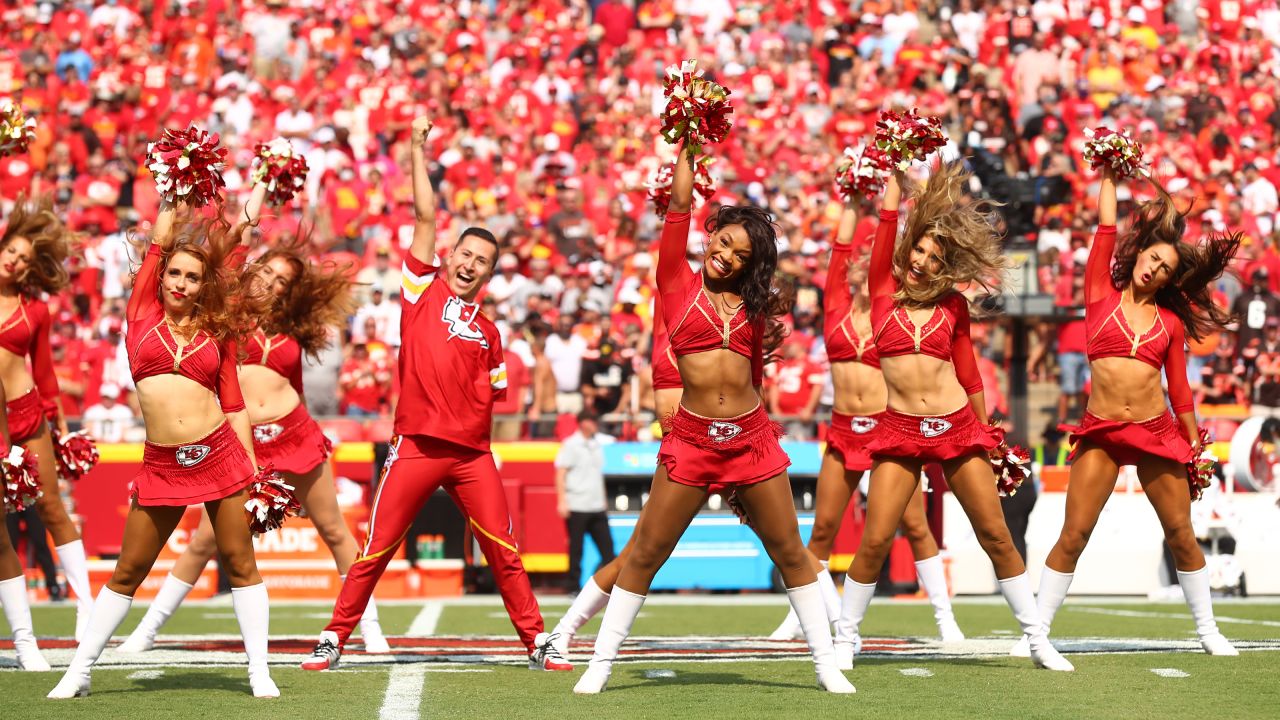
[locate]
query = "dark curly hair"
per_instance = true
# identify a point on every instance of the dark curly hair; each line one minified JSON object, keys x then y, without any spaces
{"x":318,"y":299}
{"x":756,"y":282}
{"x":34,"y":219}
{"x":1189,"y":293}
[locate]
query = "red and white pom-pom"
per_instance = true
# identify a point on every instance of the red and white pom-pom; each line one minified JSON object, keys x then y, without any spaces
{"x":735,"y":504}
{"x":21,"y":472}
{"x":862,"y":173}
{"x":1106,"y":147}
{"x":187,"y":165}
{"x":697,"y":109}
{"x":16,"y":129}
{"x":76,"y":454}
{"x":1012,"y":467}
{"x":704,"y":186}
{"x":271,"y":501}
{"x":905,"y":137}
{"x":281,"y":168}
{"x":1200,"y":473}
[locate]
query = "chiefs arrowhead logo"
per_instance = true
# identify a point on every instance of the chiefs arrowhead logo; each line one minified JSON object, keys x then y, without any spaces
{"x":190,"y":455}
{"x":268,"y":432}
{"x":723,"y":431}
{"x":460,"y":316}
{"x":863,"y":425}
{"x":933,"y":427}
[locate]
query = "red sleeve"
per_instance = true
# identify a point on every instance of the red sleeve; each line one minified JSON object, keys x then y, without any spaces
{"x":143,"y":299}
{"x":236,"y":258}
{"x":42,"y":354}
{"x":836,"y":297}
{"x":1097,"y":272}
{"x":228,"y":381}
{"x":674,"y":274}
{"x":962,"y":357}
{"x":295,"y":376}
{"x":880,"y":272}
{"x":757,"y":353}
{"x":1175,"y":369}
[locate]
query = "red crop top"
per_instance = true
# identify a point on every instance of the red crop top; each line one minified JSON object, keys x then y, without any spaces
{"x":843,"y":342}
{"x":945,"y":335}
{"x":693,"y":325}
{"x":26,"y":332}
{"x":153,"y":350}
{"x":279,"y":353}
{"x":1162,"y":346}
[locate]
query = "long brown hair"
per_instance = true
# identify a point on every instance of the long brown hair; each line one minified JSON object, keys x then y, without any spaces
{"x":34,"y":219}
{"x":965,"y":231}
{"x":1189,"y":293}
{"x":318,"y":299}
{"x":782,"y":297}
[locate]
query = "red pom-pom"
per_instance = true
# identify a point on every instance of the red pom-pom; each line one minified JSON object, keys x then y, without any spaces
{"x":704,"y":186}
{"x":187,"y":165}
{"x":271,"y":501}
{"x":278,"y":166}
{"x":1012,"y":466}
{"x":905,"y":137}
{"x":21,"y":471}
{"x":76,"y":454}
{"x":735,"y":504}
{"x":16,"y":129}
{"x":1106,"y":147}
{"x":697,"y":109}
{"x":862,"y":173}
{"x":1200,"y":470}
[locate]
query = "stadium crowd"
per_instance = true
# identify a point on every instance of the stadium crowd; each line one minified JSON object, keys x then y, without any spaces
{"x":546,"y":117}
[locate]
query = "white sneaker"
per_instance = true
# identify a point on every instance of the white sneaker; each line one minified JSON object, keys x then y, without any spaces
{"x":833,"y":681}
{"x":138,"y":642}
{"x":1046,"y":656}
{"x":593,"y":680}
{"x":1022,"y":648}
{"x":263,"y":686}
{"x":70,"y":686}
{"x":562,"y":640}
{"x":326,"y":654}
{"x":375,"y":643}
{"x":31,"y":660}
{"x":546,"y":656}
{"x":950,"y":631}
{"x":1216,"y":644}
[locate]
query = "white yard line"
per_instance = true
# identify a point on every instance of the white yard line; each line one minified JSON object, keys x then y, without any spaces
{"x":145,"y":675}
{"x":1170,"y":672}
{"x":917,"y":672}
{"x":404,"y":693}
{"x":424,"y":624}
{"x":1169,"y":616}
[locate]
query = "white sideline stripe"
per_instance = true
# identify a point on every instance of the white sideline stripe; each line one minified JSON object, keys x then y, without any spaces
{"x":424,"y":625}
{"x":916,"y":672}
{"x":145,"y":675}
{"x":1170,"y":672}
{"x":1171,"y":616}
{"x":659,"y":674}
{"x":404,"y":693}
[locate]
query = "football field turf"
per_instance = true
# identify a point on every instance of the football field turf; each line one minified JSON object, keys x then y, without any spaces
{"x":690,"y":657}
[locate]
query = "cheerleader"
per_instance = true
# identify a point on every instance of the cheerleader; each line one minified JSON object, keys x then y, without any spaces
{"x":308,"y":301}
{"x":935,"y":410}
{"x":860,"y":398}
{"x":13,"y":587}
{"x":33,"y":251}
{"x":720,"y":433}
{"x":199,"y":450}
{"x":1138,"y":313}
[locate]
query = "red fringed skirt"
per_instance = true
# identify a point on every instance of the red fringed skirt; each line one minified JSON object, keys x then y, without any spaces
{"x":702,"y":451}
{"x":293,"y":444}
{"x":932,"y":438}
{"x":1127,"y":442}
{"x":25,"y":413}
{"x":210,"y":468}
{"x":849,"y":436}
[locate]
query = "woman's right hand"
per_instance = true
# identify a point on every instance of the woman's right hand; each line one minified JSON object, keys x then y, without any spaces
{"x":420,"y":129}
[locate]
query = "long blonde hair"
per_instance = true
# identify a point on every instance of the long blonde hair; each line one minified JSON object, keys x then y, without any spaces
{"x":965,"y":231}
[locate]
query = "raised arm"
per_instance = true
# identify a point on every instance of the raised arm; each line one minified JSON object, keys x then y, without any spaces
{"x":682,"y":182}
{"x":674,"y":273}
{"x":836,"y":296}
{"x":424,"y":197}
{"x":252,"y":212}
{"x":1097,"y":283}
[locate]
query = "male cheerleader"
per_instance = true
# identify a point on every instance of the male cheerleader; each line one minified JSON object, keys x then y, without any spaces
{"x":451,"y":373}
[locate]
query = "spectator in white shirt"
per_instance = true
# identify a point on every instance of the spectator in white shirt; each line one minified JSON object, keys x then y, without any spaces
{"x":564,"y":352}
{"x":385,"y":316}
{"x":580,"y":493}
{"x":506,"y":283}
{"x":107,"y":421}
{"x":296,"y":124}
{"x":1259,"y":198}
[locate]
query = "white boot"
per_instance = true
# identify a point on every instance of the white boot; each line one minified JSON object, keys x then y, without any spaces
{"x":830,"y":596}
{"x":109,"y":611}
{"x":853,"y":608}
{"x":17,"y":609}
{"x":76,"y":569}
{"x":590,"y":600}
{"x":171,"y":595}
{"x":375,"y":643}
{"x":1017,"y":592}
{"x":254,"y":615}
{"x":614,"y":629}
{"x":789,"y":629}
{"x":933,"y":580}
{"x":1195,"y":587}
{"x":1053,"y":592}
{"x":807,"y":602}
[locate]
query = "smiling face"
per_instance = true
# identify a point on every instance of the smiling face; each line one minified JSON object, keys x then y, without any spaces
{"x":180,"y":283}
{"x":470,"y":266}
{"x":924,"y":262}
{"x":276,"y":276}
{"x":1154,"y":267}
{"x":728,"y":253}
{"x":15,"y":258}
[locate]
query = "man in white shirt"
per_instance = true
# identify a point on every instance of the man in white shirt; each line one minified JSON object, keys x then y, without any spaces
{"x":107,"y":420}
{"x":1259,"y":198}
{"x":386,"y":316}
{"x":296,"y":124}
{"x":564,"y":351}
{"x":506,"y":283}
{"x":580,"y":492}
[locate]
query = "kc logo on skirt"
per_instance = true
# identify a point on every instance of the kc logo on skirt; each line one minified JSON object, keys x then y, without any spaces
{"x":191,"y":455}
{"x":863,"y":425}
{"x":268,"y":432}
{"x":722,"y":431}
{"x":933,"y":427}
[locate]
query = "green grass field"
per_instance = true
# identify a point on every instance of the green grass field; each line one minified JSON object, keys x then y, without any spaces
{"x":901,"y":679}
